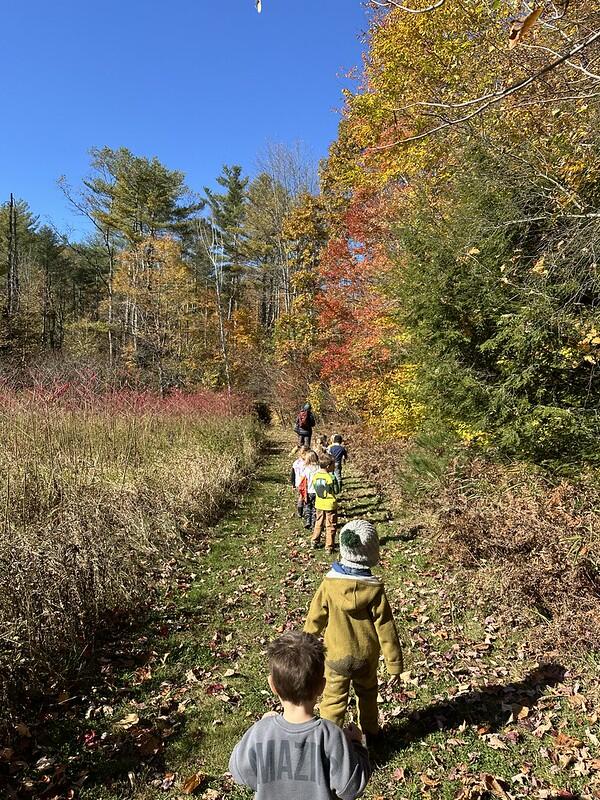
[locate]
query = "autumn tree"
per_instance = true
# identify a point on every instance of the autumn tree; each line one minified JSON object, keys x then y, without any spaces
{"x":484,"y":232}
{"x":160,"y":334}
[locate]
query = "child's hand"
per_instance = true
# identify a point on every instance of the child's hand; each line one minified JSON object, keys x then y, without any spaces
{"x":270,"y":714}
{"x":353,"y":733}
{"x":394,"y":680}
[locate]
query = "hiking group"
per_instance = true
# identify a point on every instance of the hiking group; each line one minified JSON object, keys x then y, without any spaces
{"x":297,"y":755}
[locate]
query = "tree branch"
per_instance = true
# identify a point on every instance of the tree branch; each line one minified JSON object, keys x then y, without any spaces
{"x":396,"y":4}
{"x":570,"y":63}
{"x":489,"y":100}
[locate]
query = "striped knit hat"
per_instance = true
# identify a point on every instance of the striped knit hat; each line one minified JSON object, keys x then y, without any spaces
{"x":359,"y":545}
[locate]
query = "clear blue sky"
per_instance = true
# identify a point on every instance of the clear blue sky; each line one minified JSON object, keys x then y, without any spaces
{"x":198,"y":83}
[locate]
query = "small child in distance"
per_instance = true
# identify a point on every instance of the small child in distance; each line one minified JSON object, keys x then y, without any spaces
{"x":323,"y":445}
{"x":311,"y":466}
{"x":295,"y":755}
{"x":298,"y":481}
{"x":340,"y":455}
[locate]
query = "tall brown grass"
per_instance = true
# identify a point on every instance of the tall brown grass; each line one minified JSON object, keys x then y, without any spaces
{"x":92,"y":498}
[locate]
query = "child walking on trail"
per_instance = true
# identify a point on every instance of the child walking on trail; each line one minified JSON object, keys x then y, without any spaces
{"x":340,"y":455}
{"x":351,"y":607}
{"x":323,"y":445}
{"x":326,"y":487}
{"x":295,"y":755}
{"x":298,"y":481}
{"x":311,"y":465}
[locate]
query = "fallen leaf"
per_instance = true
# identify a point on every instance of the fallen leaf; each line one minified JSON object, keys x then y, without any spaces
{"x":193,"y":783}
{"x":495,"y":742}
{"x":494,"y":785}
{"x":592,"y":737}
{"x":128,"y":722}
{"x":563,"y":740}
{"x":168,"y":780}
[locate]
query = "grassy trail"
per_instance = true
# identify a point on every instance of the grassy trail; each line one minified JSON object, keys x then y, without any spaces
{"x":473,"y":720}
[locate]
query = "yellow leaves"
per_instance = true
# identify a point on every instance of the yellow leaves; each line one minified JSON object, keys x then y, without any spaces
{"x":539,"y":268}
{"x":590,"y":346}
{"x":315,"y":396}
{"x":469,"y":434}
{"x":387,"y":403}
{"x":151,"y":270}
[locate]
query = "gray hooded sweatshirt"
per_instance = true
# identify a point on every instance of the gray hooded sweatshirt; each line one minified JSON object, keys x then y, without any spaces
{"x":281,"y":760}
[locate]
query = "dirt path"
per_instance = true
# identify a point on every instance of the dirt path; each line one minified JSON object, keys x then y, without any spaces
{"x":473,"y":720}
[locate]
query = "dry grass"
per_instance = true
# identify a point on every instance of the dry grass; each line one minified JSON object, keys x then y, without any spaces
{"x":93,"y":501}
{"x":530,"y":547}
{"x":512,"y":538}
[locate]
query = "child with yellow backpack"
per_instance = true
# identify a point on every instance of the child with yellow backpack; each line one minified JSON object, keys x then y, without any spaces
{"x":325,"y":487}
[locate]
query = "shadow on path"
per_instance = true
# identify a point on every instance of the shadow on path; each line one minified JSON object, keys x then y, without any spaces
{"x":489,"y":707}
{"x":359,"y":501}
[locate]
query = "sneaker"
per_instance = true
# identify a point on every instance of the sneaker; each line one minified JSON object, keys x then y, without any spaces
{"x":329,"y":550}
{"x":314,"y":544}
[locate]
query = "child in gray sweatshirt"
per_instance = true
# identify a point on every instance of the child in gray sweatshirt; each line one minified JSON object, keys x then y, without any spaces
{"x":295,"y":755}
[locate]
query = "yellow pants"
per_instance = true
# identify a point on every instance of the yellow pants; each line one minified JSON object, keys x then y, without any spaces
{"x":335,"y":697}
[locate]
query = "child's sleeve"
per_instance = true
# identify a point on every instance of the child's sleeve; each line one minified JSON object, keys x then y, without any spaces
{"x":318,"y":613}
{"x":383,"y":619}
{"x":242,"y":763}
{"x":352,"y":770}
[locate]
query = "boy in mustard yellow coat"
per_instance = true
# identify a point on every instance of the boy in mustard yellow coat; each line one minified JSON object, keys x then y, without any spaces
{"x":352,"y":607}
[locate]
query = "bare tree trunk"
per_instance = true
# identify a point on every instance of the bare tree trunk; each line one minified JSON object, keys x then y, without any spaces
{"x":12,"y":280}
{"x":214,"y":250}
{"x":111,"y":271}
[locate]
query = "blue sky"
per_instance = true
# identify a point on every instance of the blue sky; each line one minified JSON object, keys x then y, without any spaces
{"x":198,"y":83}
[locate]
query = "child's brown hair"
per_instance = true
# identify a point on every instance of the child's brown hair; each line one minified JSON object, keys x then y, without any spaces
{"x":327,"y":463}
{"x":297,"y":666}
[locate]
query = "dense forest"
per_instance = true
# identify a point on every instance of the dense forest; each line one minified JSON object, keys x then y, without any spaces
{"x":443,"y":272}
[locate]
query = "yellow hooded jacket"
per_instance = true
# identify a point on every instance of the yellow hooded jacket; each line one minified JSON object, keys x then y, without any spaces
{"x":358,"y":623}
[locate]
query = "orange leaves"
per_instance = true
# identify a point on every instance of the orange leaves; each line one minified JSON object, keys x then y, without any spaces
{"x":522,"y":26}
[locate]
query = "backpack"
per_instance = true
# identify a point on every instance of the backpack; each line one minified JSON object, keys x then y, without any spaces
{"x":303,"y":419}
{"x":303,"y":489}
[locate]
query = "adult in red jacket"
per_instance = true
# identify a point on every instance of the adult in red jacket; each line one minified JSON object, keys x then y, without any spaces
{"x":305,"y":422}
